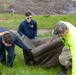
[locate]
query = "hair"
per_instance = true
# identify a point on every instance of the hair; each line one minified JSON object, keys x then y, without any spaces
{"x":59,"y":28}
{"x":27,"y":13}
{"x":7,"y":38}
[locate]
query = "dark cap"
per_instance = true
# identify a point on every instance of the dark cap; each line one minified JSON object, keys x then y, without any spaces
{"x":59,"y":28}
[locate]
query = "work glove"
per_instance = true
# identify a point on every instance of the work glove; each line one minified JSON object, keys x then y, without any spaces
{"x":35,"y":37}
{"x":29,"y":56}
{"x":23,"y":36}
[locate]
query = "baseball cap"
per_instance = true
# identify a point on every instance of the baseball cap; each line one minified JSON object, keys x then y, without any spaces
{"x":59,"y":28}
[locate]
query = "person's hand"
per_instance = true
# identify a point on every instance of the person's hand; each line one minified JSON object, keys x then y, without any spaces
{"x":35,"y":37}
{"x":5,"y":32}
{"x":23,"y":36}
{"x":2,"y":33}
{"x":29,"y":54}
{"x":68,"y":64}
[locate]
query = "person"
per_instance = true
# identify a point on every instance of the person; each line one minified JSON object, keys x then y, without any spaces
{"x":67,"y":32}
{"x":8,"y":42}
{"x":28,"y":27}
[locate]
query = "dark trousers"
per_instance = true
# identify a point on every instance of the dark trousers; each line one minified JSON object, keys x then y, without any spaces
{"x":10,"y":56}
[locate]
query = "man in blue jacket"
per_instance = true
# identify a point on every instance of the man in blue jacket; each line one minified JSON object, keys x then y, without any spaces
{"x":7,"y":42}
{"x":28,"y":27}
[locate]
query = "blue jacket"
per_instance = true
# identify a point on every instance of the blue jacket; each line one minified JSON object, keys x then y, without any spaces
{"x":28,"y":29}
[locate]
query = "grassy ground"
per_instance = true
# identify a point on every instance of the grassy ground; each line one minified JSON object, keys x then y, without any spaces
{"x":44,"y":22}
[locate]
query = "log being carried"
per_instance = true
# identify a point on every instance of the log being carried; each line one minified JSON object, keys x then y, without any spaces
{"x":45,"y":51}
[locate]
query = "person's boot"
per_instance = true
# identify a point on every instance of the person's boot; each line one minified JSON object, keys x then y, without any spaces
{"x":61,"y":73}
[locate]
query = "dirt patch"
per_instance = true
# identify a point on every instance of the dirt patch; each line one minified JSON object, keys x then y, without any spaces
{"x":43,"y":31}
{"x":7,"y":21}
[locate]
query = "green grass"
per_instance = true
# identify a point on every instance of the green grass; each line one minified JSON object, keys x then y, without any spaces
{"x":10,"y":21}
{"x":21,"y":69}
{"x":44,"y":22}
